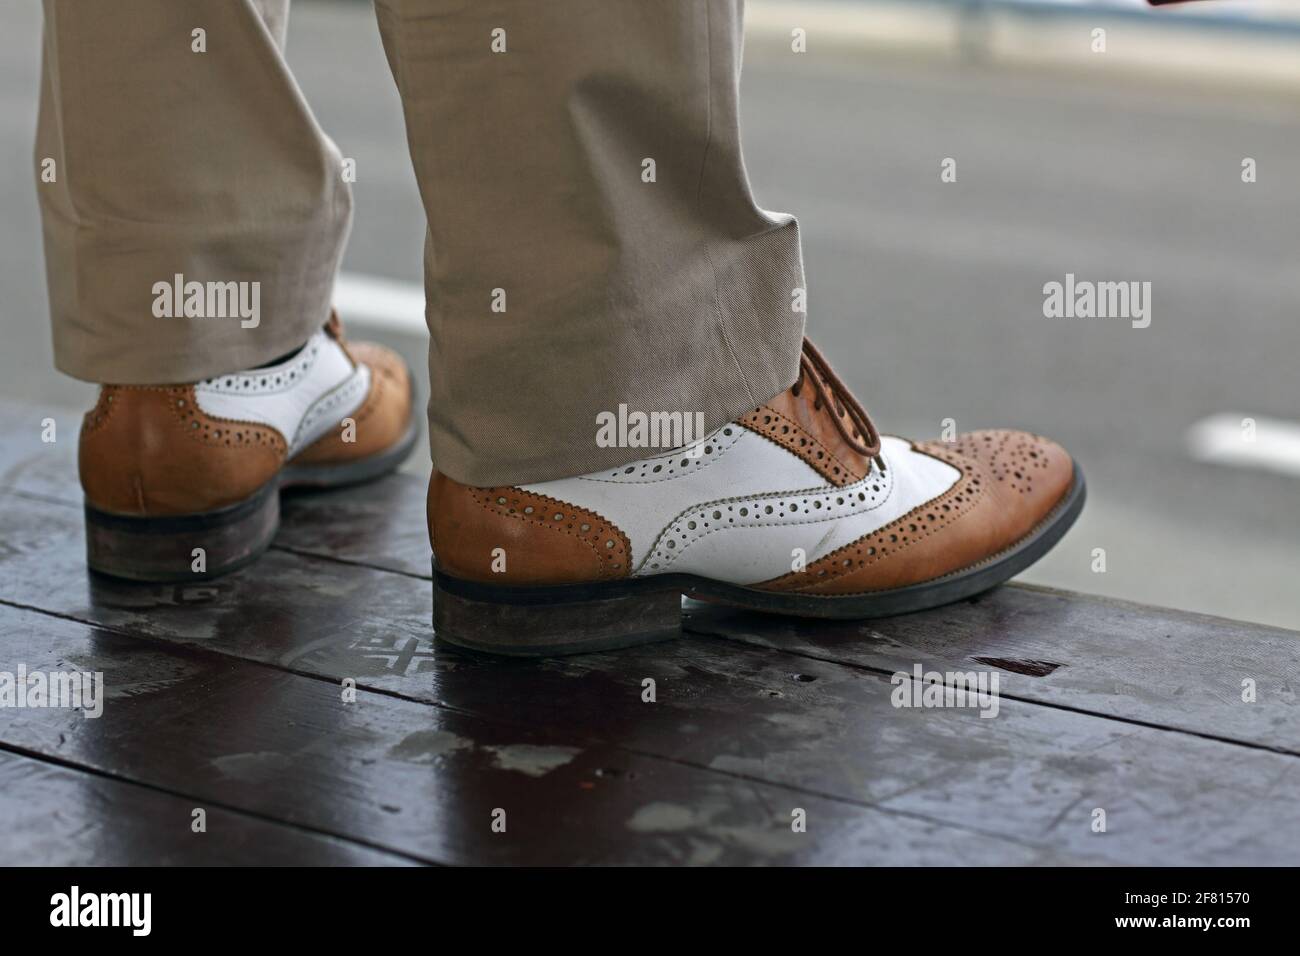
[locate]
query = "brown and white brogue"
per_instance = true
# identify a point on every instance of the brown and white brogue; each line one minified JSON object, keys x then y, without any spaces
{"x":798,"y":508}
{"x":182,"y":482}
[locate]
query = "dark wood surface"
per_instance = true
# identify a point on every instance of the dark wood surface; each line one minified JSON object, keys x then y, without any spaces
{"x":229,"y":697}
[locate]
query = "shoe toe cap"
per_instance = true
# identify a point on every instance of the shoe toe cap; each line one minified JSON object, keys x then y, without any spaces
{"x":1009,"y":482}
{"x":388,"y":407}
{"x":1024,"y":476}
{"x":384,"y":362}
{"x":382,"y":419}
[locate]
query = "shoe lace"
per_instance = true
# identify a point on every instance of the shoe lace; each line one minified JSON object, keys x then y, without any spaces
{"x":859,"y":432}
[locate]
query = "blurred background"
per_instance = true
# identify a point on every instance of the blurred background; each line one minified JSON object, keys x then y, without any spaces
{"x":1122,"y":165}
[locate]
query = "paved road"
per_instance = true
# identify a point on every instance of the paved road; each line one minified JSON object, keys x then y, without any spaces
{"x":928,"y":296}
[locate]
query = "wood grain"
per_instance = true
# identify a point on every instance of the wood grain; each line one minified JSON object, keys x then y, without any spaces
{"x":230,"y":692}
{"x":421,"y":780}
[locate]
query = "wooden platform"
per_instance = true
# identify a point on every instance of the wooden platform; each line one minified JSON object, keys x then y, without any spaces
{"x":229,"y":697}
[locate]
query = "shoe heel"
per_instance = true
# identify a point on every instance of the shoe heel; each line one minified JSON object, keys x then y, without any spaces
{"x":163,"y":549}
{"x":554,"y":621}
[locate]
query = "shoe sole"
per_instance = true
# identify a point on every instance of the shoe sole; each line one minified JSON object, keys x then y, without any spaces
{"x":164,"y":549}
{"x":543,"y":621}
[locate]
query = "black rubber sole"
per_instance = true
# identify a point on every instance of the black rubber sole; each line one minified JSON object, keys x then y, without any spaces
{"x":572,"y":619}
{"x":198,"y":547}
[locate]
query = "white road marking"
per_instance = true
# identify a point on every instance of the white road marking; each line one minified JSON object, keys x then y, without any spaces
{"x":367,"y":301}
{"x":1223,"y":440}
{"x":1259,"y":50}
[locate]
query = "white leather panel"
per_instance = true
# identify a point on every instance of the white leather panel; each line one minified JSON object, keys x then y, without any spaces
{"x":753,"y":539}
{"x":301,"y":398}
{"x":642,"y":501}
{"x":715,"y":539}
{"x":915,"y":479}
{"x":332,"y":408}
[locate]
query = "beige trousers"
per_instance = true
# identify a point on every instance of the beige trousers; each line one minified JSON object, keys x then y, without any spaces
{"x":592,"y":238}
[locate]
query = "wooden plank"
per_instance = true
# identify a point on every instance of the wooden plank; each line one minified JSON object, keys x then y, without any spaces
{"x":383,"y":527}
{"x":424,"y":780}
{"x":1032,"y":775}
{"x":1146,"y":665}
{"x":52,"y":815}
{"x":1100,"y":681}
{"x":1137,"y":663}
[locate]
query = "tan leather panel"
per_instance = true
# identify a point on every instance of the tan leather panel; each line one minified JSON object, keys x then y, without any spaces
{"x":382,"y":418}
{"x":150,"y":450}
{"x":1010,"y":482}
{"x":793,"y":422}
{"x":541,"y":540}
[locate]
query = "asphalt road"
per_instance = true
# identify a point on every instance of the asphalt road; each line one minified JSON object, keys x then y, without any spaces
{"x":928,"y":295}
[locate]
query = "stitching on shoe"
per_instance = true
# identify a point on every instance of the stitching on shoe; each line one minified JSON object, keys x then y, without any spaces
{"x":667,"y":559}
{"x":704,"y":460}
{"x":207,"y":434}
{"x":878,"y":549}
{"x":291,"y":373}
{"x":601,"y":527}
{"x":329,"y":402}
{"x":753,"y":425}
{"x":988,"y":559}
